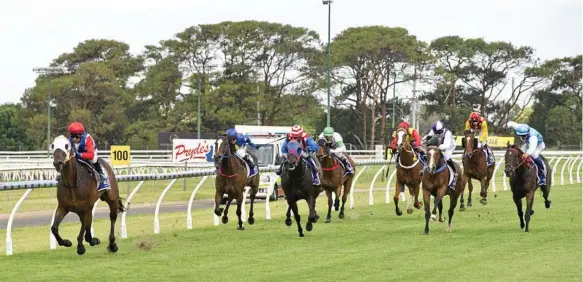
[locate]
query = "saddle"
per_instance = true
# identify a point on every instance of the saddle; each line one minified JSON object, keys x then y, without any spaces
{"x":92,"y":170}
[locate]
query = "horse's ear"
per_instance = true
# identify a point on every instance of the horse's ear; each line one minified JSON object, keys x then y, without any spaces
{"x":507,"y":144}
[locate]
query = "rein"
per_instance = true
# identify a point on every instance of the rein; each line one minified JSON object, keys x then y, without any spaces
{"x":526,"y":161}
{"x":410,"y":150}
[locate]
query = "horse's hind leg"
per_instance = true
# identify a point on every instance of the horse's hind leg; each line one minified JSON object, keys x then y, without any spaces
{"x":218,"y":199}
{"x":453,"y":202}
{"x":251,"y":219}
{"x":240,"y":203}
{"x":438,"y":202}
{"x":398,"y":186}
{"x":80,"y":247}
{"x":329,"y":216}
{"x":114,"y":208}
{"x":288,"y":220}
{"x":518,"y":203}
{"x":337,"y":200}
{"x":471,"y":189}
{"x":484,"y":192}
{"x":225,"y":217}
{"x":59,"y":215}
{"x":345,"y":192}
{"x":88,"y":220}
{"x":294,"y":207}
{"x":546,"y":189}
{"x":312,"y":212}
{"x":529,"y":202}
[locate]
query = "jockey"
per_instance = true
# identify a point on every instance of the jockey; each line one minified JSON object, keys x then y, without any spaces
{"x":334,"y":141}
{"x":413,"y":133}
{"x":478,"y":124}
{"x":310,"y":146}
{"x":445,"y":142}
{"x":240,"y":142}
{"x":85,"y":150}
{"x":533,"y":145}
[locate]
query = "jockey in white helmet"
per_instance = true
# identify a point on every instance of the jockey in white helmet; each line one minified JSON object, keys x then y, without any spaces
{"x":442,"y":137}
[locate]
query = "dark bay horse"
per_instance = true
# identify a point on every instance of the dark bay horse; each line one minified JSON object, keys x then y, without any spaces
{"x":476,"y":167}
{"x":296,"y":182}
{"x":77,"y":193}
{"x":409,"y":172}
{"x":333,"y":179}
{"x":435,"y":183}
{"x":231,"y":179}
{"x":523,"y":183}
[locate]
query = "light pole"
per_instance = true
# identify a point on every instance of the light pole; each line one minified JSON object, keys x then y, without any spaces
{"x":200,"y":75}
{"x":49,"y":71}
{"x":329,"y":3}
{"x":394,"y":98}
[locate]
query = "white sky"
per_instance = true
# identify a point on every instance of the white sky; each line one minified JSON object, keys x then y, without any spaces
{"x":34,"y":32}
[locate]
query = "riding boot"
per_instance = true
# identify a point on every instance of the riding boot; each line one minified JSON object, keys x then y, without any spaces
{"x":541,"y":170}
{"x":249,"y":160}
{"x":452,"y":166}
{"x":58,"y":177}
{"x":346,"y":163}
{"x":104,"y":181}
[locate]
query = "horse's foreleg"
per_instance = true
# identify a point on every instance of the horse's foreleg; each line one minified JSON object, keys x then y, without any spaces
{"x":225,"y":217}
{"x":484,"y":191}
{"x":427,"y":204}
{"x":288,"y":220}
{"x":59,"y":215}
{"x":438,"y":203}
{"x":398,"y":186}
{"x":80,"y":247}
{"x":410,"y":200}
{"x":251,"y":219}
{"x":312,"y":212}
{"x":529,"y":212}
{"x":546,"y":189}
{"x":345,"y":193}
{"x":240,"y":203}
{"x":518,"y":203}
{"x":416,"y":190}
{"x":462,"y":206}
{"x":113,"y":210}
{"x":294,"y":207}
{"x":338,"y":195}
{"x":329,"y":216}
{"x":88,"y":220}
{"x":218,"y":199}
{"x":471,"y":189}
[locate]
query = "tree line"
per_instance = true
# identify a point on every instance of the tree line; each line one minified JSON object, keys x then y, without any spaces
{"x":266,"y":73}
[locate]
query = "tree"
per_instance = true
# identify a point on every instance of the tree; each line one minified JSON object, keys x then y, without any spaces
{"x":13,"y":135}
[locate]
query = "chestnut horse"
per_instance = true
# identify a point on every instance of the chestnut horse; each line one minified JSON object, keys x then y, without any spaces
{"x":333,"y":179}
{"x":435,"y":183}
{"x":523,"y":182}
{"x":297,"y":184}
{"x":409,"y":172}
{"x":231,"y":179}
{"x":77,"y":193}
{"x":476,"y":167}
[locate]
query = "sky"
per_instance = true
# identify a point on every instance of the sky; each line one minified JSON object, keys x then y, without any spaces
{"x":34,"y":32}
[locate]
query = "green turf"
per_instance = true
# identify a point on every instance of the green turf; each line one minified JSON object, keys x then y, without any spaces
{"x":40,"y":199}
{"x":371,"y":244}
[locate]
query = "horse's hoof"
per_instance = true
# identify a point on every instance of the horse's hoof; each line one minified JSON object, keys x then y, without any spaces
{"x":301,"y":234}
{"x":80,"y":249}
{"x":409,"y":210}
{"x":95,"y":241}
{"x":462,"y":209}
{"x":441,"y":220}
{"x":418,"y":206}
{"x":426,"y":232}
{"x":522,"y":226}
{"x":309,"y":226}
{"x":433,"y":217}
{"x":483,"y":201}
{"x":327,"y":220}
{"x":67,"y":243}
{"x":341,"y":215}
{"x":547,"y":204}
{"x":469,"y":204}
{"x":219,"y":211}
{"x":251,"y":220}
{"x":448,"y":229}
{"x":399,"y":212}
{"x":288,"y":221}
{"x":531,"y":212}
{"x":112,"y":248}
{"x":240,"y":227}
{"x":225,"y":219}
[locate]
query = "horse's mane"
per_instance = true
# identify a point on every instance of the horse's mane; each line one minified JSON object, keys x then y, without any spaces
{"x":513,"y":146}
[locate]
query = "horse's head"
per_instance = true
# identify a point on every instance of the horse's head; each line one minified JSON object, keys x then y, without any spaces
{"x":469,"y":142}
{"x":513,"y":159}
{"x":433,"y":158}
{"x":323,"y":150}
{"x":403,"y":139}
{"x":293,"y":154}
{"x":62,"y":152}
{"x":222,"y":150}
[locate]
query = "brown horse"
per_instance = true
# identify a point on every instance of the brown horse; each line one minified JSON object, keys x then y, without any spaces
{"x":333,"y":179}
{"x":476,"y":167}
{"x":435,"y":183}
{"x":77,"y":193}
{"x":231,"y":179}
{"x":409,"y":172}
{"x":523,"y":182}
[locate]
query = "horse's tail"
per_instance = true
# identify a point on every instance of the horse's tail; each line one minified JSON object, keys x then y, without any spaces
{"x":120,"y":207}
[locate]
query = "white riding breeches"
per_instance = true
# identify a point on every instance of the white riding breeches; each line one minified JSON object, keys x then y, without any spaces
{"x":241,"y":152}
{"x":94,"y":160}
{"x":537,"y":151}
{"x":447,"y":154}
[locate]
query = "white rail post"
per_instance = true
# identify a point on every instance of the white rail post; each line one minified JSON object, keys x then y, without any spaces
{"x":243,"y":209}
{"x":563,"y":170}
{"x":52,"y":239}
{"x":355,"y":179}
{"x":123,"y":228}
{"x":555,"y":168}
{"x":189,"y":209}
{"x":370,"y":191}
{"x":571,"y":169}
{"x":579,"y":169}
{"x":388,"y":187}
{"x":93,"y":216}
{"x":157,"y":212}
{"x":11,"y":219}
{"x":494,"y":174}
{"x":270,"y":191}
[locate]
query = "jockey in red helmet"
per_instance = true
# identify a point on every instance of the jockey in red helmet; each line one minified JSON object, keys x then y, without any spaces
{"x":84,"y":147}
{"x":310,"y":147}
{"x":413,"y":133}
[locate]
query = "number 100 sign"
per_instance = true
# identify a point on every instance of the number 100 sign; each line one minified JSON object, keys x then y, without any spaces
{"x":120,"y":155}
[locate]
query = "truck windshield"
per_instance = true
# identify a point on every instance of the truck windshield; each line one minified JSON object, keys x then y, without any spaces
{"x":265,"y":154}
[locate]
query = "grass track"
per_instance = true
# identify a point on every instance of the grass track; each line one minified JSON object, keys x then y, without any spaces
{"x":371,"y":244}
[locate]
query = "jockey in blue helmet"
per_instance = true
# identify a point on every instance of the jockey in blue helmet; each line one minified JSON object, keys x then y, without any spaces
{"x":240,"y":141}
{"x":532,"y":145}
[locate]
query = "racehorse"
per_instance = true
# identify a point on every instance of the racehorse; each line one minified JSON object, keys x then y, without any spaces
{"x":435,"y":183}
{"x":297,"y":184}
{"x":333,"y":179}
{"x":476,"y":167}
{"x":231,"y":179}
{"x":523,"y":182}
{"x":77,"y":193}
{"x":409,"y":171}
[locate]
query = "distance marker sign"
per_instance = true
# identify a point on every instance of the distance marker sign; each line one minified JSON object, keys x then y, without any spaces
{"x":120,"y":155}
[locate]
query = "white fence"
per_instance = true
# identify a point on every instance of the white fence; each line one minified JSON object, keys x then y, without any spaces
{"x":570,"y":163}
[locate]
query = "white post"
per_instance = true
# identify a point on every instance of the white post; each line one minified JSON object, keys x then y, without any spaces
{"x":52,"y":239}
{"x":494,"y":174}
{"x":579,"y":169}
{"x":563,"y":170}
{"x":189,"y":209}
{"x":355,"y":179}
{"x":157,"y":212}
{"x":571,"y":169}
{"x":243,"y":209}
{"x":93,"y":216}
{"x":11,"y":219}
{"x":555,"y":168}
{"x":387,"y":190}
{"x":122,"y":227}
{"x":270,"y":191}
{"x":370,"y":191}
